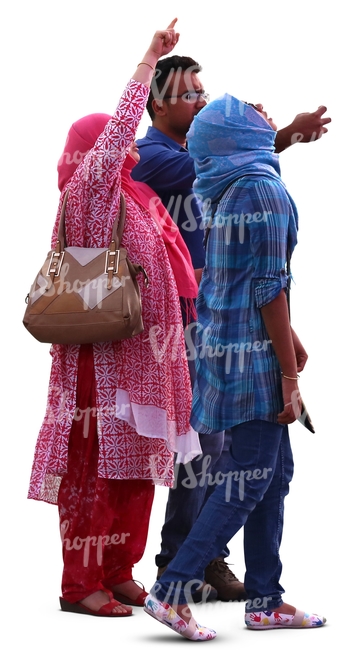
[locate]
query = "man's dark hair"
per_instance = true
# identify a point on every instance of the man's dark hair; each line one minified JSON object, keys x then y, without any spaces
{"x":164,"y":70}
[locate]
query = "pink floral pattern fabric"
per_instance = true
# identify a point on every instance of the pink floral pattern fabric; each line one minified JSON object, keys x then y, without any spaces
{"x":151,"y":369}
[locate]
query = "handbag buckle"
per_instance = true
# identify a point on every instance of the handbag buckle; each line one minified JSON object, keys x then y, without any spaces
{"x":112,"y":261}
{"x":111,"y":266}
{"x":55,"y":263}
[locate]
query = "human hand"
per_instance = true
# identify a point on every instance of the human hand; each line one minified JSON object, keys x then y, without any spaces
{"x":164,"y":41}
{"x":300,"y":352}
{"x":292,"y":402}
{"x":307,"y":127}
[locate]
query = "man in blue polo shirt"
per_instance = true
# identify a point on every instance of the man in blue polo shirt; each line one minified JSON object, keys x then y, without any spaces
{"x":166,"y":166}
{"x":176,"y":96}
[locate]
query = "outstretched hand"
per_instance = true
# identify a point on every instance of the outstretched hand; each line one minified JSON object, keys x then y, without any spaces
{"x":307,"y":127}
{"x":164,"y":41}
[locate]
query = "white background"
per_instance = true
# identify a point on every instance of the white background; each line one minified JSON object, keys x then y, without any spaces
{"x":62,"y":60}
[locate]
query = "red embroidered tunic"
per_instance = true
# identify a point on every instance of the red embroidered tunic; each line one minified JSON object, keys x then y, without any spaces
{"x":143,"y":386}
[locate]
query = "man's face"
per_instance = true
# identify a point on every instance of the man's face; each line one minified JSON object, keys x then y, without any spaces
{"x":182,"y":100}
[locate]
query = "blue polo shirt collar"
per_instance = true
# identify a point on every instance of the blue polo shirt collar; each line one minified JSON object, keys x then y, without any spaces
{"x":155,"y":134}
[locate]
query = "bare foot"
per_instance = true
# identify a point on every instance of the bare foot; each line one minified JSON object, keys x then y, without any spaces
{"x":96,"y":600}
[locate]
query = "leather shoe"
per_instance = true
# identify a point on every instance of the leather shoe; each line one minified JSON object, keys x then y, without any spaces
{"x":219,"y":575}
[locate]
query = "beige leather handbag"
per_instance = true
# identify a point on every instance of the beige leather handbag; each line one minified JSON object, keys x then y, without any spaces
{"x":86,"y":295}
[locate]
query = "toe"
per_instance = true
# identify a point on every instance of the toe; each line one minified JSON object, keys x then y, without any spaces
{"x":121,"y":609}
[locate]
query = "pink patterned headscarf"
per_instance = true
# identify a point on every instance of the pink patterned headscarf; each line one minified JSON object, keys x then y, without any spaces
{"x":81,"y":138}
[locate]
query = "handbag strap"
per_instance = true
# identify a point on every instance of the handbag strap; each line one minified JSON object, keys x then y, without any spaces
{"x":117,"y":228}
{"x":119,"y":222}
{"x":112,"y":256}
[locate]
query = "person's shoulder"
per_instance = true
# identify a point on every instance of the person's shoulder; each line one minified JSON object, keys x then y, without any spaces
{"x":254,"y":180}
{"x":264,"y":185}
{"x":256,"y":190}
{"x":155,"y":138}
{"x":146,"y":139}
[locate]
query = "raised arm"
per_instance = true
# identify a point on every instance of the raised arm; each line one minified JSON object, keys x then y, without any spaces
{"x":162,"y":43}
{"x":95,"y":183}
{"x":103,"y":163}
{"x":306,"y":127}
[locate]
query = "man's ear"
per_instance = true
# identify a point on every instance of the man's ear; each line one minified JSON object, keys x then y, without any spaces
{"x":157,"y":106}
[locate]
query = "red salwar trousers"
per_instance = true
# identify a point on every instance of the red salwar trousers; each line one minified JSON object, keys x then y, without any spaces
{"x":103,"y":522}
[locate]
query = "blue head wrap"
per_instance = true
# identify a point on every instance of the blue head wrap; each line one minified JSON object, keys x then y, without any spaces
{"x":229,"y":139}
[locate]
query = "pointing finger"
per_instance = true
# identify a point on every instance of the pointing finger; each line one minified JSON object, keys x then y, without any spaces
{"x":172,"y":24}
{"x":320,"y":110}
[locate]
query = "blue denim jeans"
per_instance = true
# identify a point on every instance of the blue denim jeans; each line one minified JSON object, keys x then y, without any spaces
{"x":250,"y":493}
{"x":219,"y":465}
{"x":186,"y":498}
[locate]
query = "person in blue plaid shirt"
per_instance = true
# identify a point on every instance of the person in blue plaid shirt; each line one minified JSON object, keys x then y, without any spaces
{"x":255,"y":224}
{"x":247,"y":360}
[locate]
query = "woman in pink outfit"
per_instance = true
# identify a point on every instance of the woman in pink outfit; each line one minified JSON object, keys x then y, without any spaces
{"x":117,"y":412}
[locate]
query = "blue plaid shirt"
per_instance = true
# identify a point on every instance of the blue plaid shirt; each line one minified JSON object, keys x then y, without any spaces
{"x":238,"y":375}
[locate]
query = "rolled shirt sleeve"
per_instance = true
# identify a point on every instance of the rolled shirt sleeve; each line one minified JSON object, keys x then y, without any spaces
{"x":267,"y":290}
{"x":268,"y":222}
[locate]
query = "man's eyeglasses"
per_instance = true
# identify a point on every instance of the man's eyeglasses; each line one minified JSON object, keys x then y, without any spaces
{"x":191,"y":97}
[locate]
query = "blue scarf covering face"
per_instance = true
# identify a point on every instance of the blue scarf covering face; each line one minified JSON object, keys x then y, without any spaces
{"x":229,"y":139}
